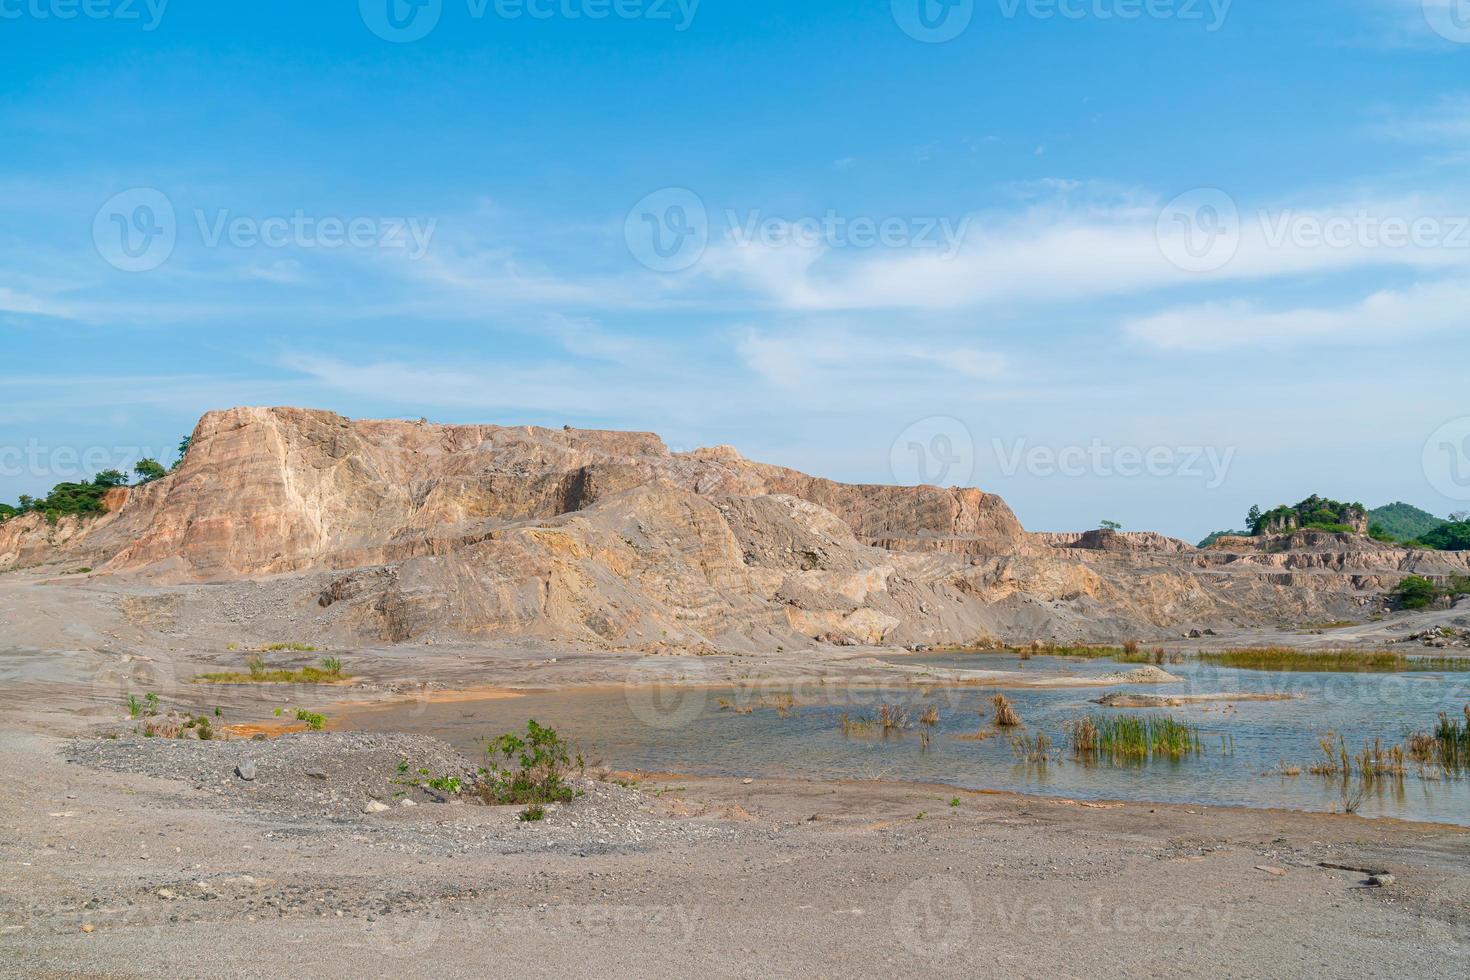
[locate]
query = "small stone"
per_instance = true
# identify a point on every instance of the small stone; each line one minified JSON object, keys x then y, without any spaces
{"x":373,"y":806}
{"x":167,"y":894}
{"x":246,"y":771}
{"x":746,"y":782}
{"x":1271,"y":870}
{"x":88,"y":927}
{"x":1381,"y":881}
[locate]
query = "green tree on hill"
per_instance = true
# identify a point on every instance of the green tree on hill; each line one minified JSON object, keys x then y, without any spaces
{"x":1449,"y":537}
{"x":1403,"y":522}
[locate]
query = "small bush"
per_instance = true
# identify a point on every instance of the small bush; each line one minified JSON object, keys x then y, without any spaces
{"x":533,"y":813}
{"x":537,"y":768}
{"x":314,"y":721}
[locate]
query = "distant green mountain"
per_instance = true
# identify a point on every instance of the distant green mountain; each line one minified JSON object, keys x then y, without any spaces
{"x":1404,"y":522}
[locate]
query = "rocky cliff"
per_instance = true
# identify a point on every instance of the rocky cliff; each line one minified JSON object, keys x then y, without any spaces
{"x":401,"y":531}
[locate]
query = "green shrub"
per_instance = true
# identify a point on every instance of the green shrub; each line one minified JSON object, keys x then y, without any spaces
{"x":1415,"y":592}
{"x":314,"y":721}
{"x":534,"y":767}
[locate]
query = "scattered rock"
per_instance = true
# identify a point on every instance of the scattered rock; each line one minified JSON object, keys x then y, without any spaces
{"x":407,"y":802}
{"x":167,"y":894}
{"x":246,"y":771}
{"x":89,"y":927}
{"x":1381,"y":881}
{"x":373,"y":806}
{"x":1272,"y":870}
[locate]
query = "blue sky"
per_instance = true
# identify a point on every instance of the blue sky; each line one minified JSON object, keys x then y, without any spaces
{"x":1145,"y":260}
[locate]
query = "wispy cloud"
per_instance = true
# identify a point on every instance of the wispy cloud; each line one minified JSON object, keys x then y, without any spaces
{"x":1384,"y":317}
{"x":846,"y":360}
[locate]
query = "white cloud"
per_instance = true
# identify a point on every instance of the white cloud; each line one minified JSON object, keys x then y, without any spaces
{"x":830,"y":360}
{"x":1068,"y":253}
{"x":12,"y":301}
{"x":1385,"y":317}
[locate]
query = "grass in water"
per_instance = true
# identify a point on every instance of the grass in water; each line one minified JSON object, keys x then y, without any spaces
{"x":1032,"y":749}
{"x":1449,"y":744}
{"x":1133,"y":738}
{"x":1005,"y":713}
{"x":1335,"y":661}
{"x":892,"y":718}
{"x":330,"y":672}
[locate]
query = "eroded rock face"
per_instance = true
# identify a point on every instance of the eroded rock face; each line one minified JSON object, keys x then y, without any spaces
{"x":609,"y":539}
{"x":1116,"y":541}
{"x":265,"y":491}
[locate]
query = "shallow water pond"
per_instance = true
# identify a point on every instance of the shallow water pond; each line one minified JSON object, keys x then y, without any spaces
{"x":786,"y":731}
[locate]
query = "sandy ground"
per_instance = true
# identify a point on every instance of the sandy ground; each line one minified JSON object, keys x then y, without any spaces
{"x":116,"y":874}
{"x":126,"y":874}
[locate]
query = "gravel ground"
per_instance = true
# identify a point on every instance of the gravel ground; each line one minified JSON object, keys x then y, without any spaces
{"x":346,"y":778}
{"x":143,"y":859}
